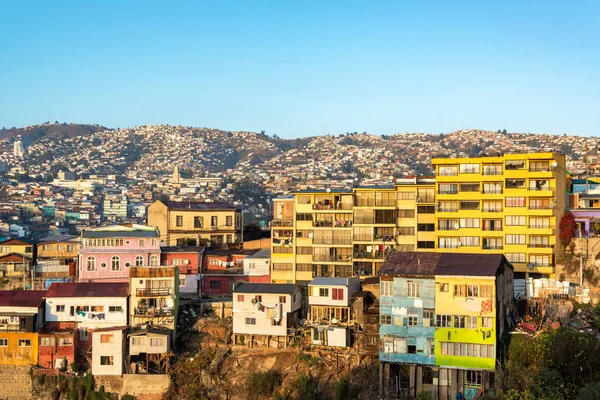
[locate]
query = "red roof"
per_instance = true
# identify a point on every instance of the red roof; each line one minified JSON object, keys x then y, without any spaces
{"x":14,"y":257}
{"x":21,"y":298}
{"x":14,"y":242}
{"x":88,"y":289}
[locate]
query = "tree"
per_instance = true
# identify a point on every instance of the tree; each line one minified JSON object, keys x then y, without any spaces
{"x":566,"y":228}
{"x":504,"y":131}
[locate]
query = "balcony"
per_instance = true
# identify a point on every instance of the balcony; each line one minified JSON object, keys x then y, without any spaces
{"x":332,"y":224}
{"x":492,"y":247}
{"x":282,"y":222}
{"x":363,"y":220}
{"x":491,"y":228}
{"x":331,"y":258}
{"x":492,"y":210}
{"x":540,"y":188}
{"x":492,"y":191}
{"x":541,"y":226}
{"x":156,"y":292}
{"x":331,"y":206}
{"x":332,"y":240}
{"x":363,"y":237}
{"x":153,"y":312}
{"x":540,"y":245}
{"x":369,"y":256}
{"x":542,"y":207}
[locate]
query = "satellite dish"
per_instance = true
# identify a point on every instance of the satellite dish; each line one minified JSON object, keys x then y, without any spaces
{"x":554,"y":165}
{"x":186,"y":262}
{"x":457,"y":226}
{"x":328,"y":190}
{"x":530,"y":266}
{"x":551,"y":205}
{"x":458,"y":244}
{"x":253,"y":301}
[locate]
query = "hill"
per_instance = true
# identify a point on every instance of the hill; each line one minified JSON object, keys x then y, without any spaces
{"x":31,"y":134}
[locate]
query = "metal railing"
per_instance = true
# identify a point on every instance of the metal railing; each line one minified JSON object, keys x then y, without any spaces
{"x":363,"y":237}
{"x":332,"y":240}
{"x":492,"y":228}
{"x":154,"y":292}
{"x":540,"y":245}
{"x":492,"y":247}
{"x":540,"y":226}
{"x":153,"y":312}
{"x":331,"y":258}
{"x":282,"y":222}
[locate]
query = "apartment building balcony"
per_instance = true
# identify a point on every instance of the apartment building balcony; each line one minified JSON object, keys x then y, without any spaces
{"x":365,"y":255}
{"x":540,"y":226}
{"x":492,"y":228}
{"x":333,"y":240}
{"x":492,"y":247}
{"x":149,"y":312}
{"x":363,"y":237}
{"x":375,"y":203}
{"x":328,"y":206}
{"x":540,"y":246}
{"x":154,"y":292}
{"x":332,"y":258}
{"x":332,"y":224}
{"x":282,"y":222}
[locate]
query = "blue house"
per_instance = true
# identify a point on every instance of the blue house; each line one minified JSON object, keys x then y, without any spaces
{"x":406,"y":307}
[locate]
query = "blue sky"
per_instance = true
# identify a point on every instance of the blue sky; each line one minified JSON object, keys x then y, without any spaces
{"x":301,"y":68}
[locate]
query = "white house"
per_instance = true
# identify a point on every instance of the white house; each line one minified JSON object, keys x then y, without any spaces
{"x":258,"y":265}
{"x":330,"y":310}
{"x":108,"y":350}
{"x":265,"y":311}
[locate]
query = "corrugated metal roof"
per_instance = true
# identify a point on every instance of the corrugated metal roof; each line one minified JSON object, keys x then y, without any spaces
{"x":266,"y":288}
{"x":262,"y":253}
{"x":14,"y":257}
{"x":182,"y":249}
{"x":198,"y":205}
{"x":15,"y":242}
{"x":59,"y":238}
{"x":113,"y":234}
{"x":321,"y":281}
{"x":430,"y":263}
{"x":88,"y":289}
{"x":21,"y":298}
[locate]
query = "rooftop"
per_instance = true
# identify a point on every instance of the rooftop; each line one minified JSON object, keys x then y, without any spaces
{"x":198,"y":205}
{"x":320,"y":281}
{"x":59,"y":238}
{"x":21,"y":298}
{"x":182,"y":249}
{"x":265,"y":288}
{"x":88,"y":289}
{"x":262,"y":253}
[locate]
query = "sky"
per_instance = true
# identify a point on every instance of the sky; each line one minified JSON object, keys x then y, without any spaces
{"x":304,"y":68}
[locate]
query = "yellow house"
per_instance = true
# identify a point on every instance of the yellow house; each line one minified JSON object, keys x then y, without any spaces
{"x":64,"y":248}
{"x":18,"y":348}
{"x":182,"y":223}
{"x":509,"y":204}
{"x":16,"y":246}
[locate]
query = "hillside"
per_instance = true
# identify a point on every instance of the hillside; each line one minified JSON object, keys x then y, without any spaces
{"x":32,"y":134}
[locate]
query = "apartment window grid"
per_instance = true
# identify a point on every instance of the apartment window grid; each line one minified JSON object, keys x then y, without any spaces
{"x":516,"y":220}
{"x":425,"y":227}
{"x":470,"y":241}
{"x":539,"y":204}
{"x":516,"y":239}
{"x":460,"y":291}
{"x":425,"y":195}
{"x":515,"y":201}
{"x":492,"y":224}
{"x":468,"y":350}
{"x":425,"y":244}
{"x":386,"y":319}
{"x":472,"y":323}
{"x":428,"y":317}
{"x":198,"y":222}
{"x":406,"y":195}
{"x":444,"y":321}
{"x":487,"y":322}
{"x":447,"y":170}
{"x":492,"y":206}
{"x":515,"y":164}
{"x":539,"y":184}
{"x":179,"y":220}
{"x":539,"y":166}
{"x":539,"y":241}
{"x":387,"y":288}
{"x":448,"y":206}
{"x":492,"y":243}
{"x":406,"y":230}
{"x":516,"y":257}
{"x":469,"y":205}
{"x":283,"y":266}
{"x":425,"y":210}
{"x":469,"y":222}
{"x":406,"y":213}
{"x":447,"y":188}
{"x":214,"y":221}
{"x":229,"y":220}
{"x":414,"y":289}
{"x":470,"y":168}
{"x":539,"y":223}
{"x":492,"y":188}
{"x":447,"y":224}
{"x":469,"y":187}
{"x":472,"y":290}
{"x":412,"y":320}
{"x":459,"y":321}
{"x":492,"y":170}
{"x":447,"y":243}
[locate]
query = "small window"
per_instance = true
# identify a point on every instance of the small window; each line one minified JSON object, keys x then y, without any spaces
{"x":444,"y":287}
{"x":258,"y":298}
{"x":414,"y":289}
{"x":84,"y":333}
{"x":250,"y":321}
{"x":282,"y":299}
{"x":443,"y":321}
{"x":60,"y":308}
{"x":215,"y":284}
{"x":323,"y":292}
{"x":107,"y":338}
{"x":229,"y":220}
{"x":107,"y":360}
{"x":472,"y":322}
{"x":24,"y":342}
{"x":240,"y":297}
{"x":460,"y":291}
{"x":115,"y":309}
{"x":45,"y":341}
{"x":3,"y":342}
{"x":387,"y":288}
{"x":179,"y":220}
{"x":386,"y":320}
{"x":65,"y":341}
{"x":156,"y":342}
{"x":487,"y":322}
{"x":412,"y":320}
{"x":459,"y":321}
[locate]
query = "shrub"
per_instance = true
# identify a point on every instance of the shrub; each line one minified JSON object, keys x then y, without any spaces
{"x":344,"y":390}
{"x":42,"y":379}
{"x":304,"y":387}
{"x":262,"y":384}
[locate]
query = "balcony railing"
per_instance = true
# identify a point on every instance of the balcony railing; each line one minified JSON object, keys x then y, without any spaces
{"x":331,"y":206}
{"x":540,"y":226}
{"x":364,"y":238}
{"x":492,"y":191}
{"x":282,"y":222}
{"x":493,"y":247}
{"x":154,"y":292}
{"x":385,"y":203}
{"x":368,"y":255}
{"x":363,"y":220}
{"x":332,"y":224}
{"x":492,"y":228}
{"x":332,"y":240}
{"x":543,"y":207}
{"x":153,"y":312}
{"x":331,"y":258}
{"x":539,"y":169}
{"x":539,"y":188}
{"x":540,"y":245}
{"x":492,"y":209}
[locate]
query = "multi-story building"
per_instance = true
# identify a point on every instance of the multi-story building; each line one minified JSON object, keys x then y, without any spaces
{"x":510,"y":204}
{"x":108,"y":252}
{"x":218,"y":225}
{"x":189,"y":261}
{"x":16,"y":258}
{"x":265,"y":313}
{"x":331,"y":318}
{"x":221,"y":269}
{"x":443,"y":315}
{"x":109,"y":350}
{"x":257,"y":266}
{"x":57,"y":256}
{"x":115,"y":206}
{"x":154,"y":296}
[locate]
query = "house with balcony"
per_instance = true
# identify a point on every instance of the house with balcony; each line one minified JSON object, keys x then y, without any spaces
{"x":330,"y":316}
{"x":85,"y":307}
{"x":189,"y":261}
{"x":16,"y":258}
{"x":265,"y":313}
{"x":57,"y":256}
{"x":149,"y":350}
{"x":154,"y":296}
{"x":214,"y":224}
{"x":107,"y":253}
{"x":21,"y":319}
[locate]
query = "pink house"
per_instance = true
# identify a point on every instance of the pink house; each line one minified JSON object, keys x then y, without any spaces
{"x":107,"y":252}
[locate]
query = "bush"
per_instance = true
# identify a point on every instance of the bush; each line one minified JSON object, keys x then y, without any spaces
{"x":304,"y":387}
{"x":344,"y":390}
{"x":74,"y":367}
{"x":262,"y":384}
{"x":42,"y":379}
{"x":424,"y":395}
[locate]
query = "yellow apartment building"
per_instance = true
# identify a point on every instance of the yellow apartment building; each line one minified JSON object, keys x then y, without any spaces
{"x":509,"y":204}
{"x":64,"y":248}
{"x":195,"y":223}
{"x":416,"y":214}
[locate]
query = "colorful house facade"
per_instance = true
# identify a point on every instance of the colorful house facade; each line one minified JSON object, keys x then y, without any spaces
{"x":108,"y":252}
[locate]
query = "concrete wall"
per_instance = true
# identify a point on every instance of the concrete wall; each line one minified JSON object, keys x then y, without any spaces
{"x":137,"y":385}
{"x":113,"y":349}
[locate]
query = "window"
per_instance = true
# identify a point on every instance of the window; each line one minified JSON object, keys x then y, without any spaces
{"x":469,"y":205}
{"x":447,"y":243}
{"x":46,"y":247}
{"x":516,"y":201}
{"x":414,"y":289}
{"x":138,"y":341}
{"x":447,"y":170}
{"x":387,"y":288}
{"x":3,"y":342}
{"x":425,"y":244}
{"x":156,"y":342}
{"x":65,"y":341}
{"x":492,"y":169}
{"x":447,"y":224}
{"x":428,"y":317}
{"x":474,"y":377}
{"x":406,"y":213}
{"x":323,"y":292}
{"x":214,"y":221}
{"x":240,"y":298}
{"x":44,"y":341}
{"x":337,"y":294}
{"x":229,"y":220}
{"x":469,"y":222}
{"x":443,"y":321}
{"x":386,"y":319}
{"x":469,"y":168}
{"x":139,"y":261}
{"x":141,"y":242}
{"x":469,"y":187}
{"x":448,"y":206}
{"x":115,"y":309}
{"x":215,"y":284}
{"x":154,"y":242}
{"x":447,"y":188}
{"x":539,"y":222}
{"x":304,"y":267}
{"x":406,"y":230}
{"x":258,"y":298}
{"x":539,"y":166}
{"x":179,"y":220}
{"x":106,"y":360}
{"x":107,"y":338}
{"x":91,"y":263}
{"x":425,"y":227}
{"x":472,"y":322}
{"x":516,"y":220}
{"x":154,"y":260}
{"x":250,"y":321}
{"x":492,"y":224}
{"x":303,"y":199}
{"x":24,"y":342}
{"x":539,"y":241}
{"x":460,"y":291}
{"x":471,"y":241}
{"x":198,"y":222}
{"x":516,"y":257}
{"x":84,"y":334}
{"x":492,"y":243}
{"x":539,"y":184}
{"x":492,"y":188}
{"x":539,"y":204}
{"x":60,"y":308}
{"x":282,"y":266}
{"x":459,"y":321}
{"x":492,"y":206}
{"x":487,"y":322}
{"x":444,"y":287}
{"x":516,"y":239}
{"x":540,"y":260}
{"x":412,"y":320}
{"x":515,"y":164}
{"x":425,"y":195}
{"x":406,"y":195}
{"x":472,"y":290}
{"x":426,"y":209}
{"x":115,"y":263}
